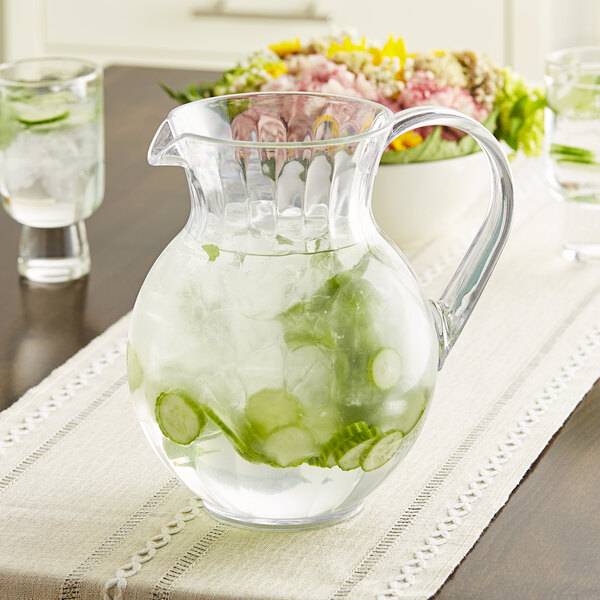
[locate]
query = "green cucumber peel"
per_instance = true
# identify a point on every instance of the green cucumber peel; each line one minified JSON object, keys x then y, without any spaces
{"x":42,"y":117}
{"x":350,"y":434}
{"x":382,"y":450}
{"x":241,"y":447}
{"x":348,"y":455}
{"x":179,"y":417}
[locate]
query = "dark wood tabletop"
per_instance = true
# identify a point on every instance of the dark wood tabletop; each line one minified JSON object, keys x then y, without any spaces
{"x":544,"y":544}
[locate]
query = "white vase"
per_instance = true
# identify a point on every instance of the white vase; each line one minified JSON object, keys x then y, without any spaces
{"x":416,"y":202}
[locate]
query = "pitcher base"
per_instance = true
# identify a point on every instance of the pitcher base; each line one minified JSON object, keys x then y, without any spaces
{"x":262,"y":524}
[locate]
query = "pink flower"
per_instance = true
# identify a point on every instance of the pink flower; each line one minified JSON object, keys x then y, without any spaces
{"x":270,"y":129}
{"x":316,"y":73}
{"x":423,"y":90}
{"x":243,"y":126}
{"x":258,"y":124}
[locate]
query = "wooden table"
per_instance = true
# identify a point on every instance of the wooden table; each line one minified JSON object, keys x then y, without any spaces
{"x":544,"y":544}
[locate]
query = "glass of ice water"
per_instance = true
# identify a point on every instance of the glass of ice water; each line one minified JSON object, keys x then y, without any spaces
{"x":573,"y":146}
{"x":51,"y":161}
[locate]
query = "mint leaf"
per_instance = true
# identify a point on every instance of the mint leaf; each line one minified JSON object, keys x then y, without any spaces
{"x":339,"y":318}
{"x":212,"y":251}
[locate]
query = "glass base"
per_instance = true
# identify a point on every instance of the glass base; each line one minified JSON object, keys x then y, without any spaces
{"x":261,"y":524}
{"x":581,"y":236}
{"x":587,"y":253}
{"x":54,"y":255}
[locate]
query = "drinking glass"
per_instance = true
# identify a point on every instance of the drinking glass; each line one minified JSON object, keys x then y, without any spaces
{"x":51,"y":161}
{"x":572,"y":146}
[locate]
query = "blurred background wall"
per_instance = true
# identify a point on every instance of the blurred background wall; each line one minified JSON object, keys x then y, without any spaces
{"x":214,"y":34}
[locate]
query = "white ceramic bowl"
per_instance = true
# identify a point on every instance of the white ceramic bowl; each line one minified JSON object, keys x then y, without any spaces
{"x":416,"y":202}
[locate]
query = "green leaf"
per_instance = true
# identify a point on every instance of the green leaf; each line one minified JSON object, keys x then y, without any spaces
{"x":520,"y":121}
{"x":190,"y":94}
{"x":339,"y":319}
{"x":212,"y":251}
{"x":434,"y":147}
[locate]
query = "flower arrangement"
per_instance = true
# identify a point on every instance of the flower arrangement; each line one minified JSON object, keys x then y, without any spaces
{"x":343,"y":64}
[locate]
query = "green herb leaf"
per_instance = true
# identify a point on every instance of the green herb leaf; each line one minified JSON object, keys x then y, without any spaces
{"x":338,"y":318}
{"x":212,"y":251}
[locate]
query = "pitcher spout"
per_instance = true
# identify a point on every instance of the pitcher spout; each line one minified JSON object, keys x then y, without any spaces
{"x":286,"y":172}
{"x":165,"y":148}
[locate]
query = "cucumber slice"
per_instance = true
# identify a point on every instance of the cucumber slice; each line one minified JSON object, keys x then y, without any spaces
{"x":240,"y":447}
{"x":179,"y":417}
{"x":353,"y":433}
{"x":269,"y":409}
{"x":315,"y":461}
{"x":348,"y":454}
{"x":42,"y":115}
{"x":135,"y":375}
{"x":382,"y":450}
{"x":290,"y":446}
{"x":385,"y":368}
{"x":323,"y":422}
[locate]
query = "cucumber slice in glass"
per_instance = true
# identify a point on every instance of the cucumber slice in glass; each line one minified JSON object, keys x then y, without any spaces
{"x":315,"y":461}
{"x":135,"y":374}
{"x":385,"y":368}
{"x":179,"y":417}
{"x":382,"y":450}
{"x":240,"y":447}
{"x":42,"y":115}
{"x":290,"y":446}
{"x":348,"y":454}
{"x":351,"y":434}
{"x":269,"y":409}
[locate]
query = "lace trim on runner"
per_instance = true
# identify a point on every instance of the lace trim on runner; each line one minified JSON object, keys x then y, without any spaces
{"x":506,"y":449}
{"x":57,"y":399}
{"x":445,"y":259}
{"x":114,"y":588}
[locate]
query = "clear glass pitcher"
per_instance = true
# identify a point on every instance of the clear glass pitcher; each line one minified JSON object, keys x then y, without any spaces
{"x":281,"y":353}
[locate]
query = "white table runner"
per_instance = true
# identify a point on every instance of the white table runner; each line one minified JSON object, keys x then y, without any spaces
{"x":88,"y":512}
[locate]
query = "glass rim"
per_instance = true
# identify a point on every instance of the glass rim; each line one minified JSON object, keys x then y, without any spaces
{"x":95,"y":70}
{"x":339,"y":141}
{"x":557,"y":59}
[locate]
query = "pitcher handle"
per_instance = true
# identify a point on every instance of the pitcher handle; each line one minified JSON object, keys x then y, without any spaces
{"x":455,"y":305}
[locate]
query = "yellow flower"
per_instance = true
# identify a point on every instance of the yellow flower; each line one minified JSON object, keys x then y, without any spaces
{"x":276,"y":69}
{"x":410,"y":139}
{"x":347,"y":45}
{"x":377,"y":55}
{"x":439,"y":53}
{"x":395,"y":47}
{"x":286,"y":47}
